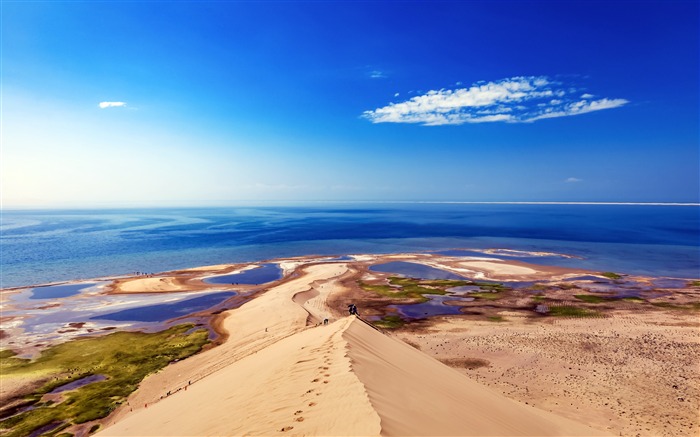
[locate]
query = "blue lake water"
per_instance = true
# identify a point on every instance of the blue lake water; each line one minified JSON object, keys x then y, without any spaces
{"x":166,"y":311}
{"x":414,"y":270}
{"x":433,"y":307}
{"x":59,"y":291}
{"x":57,"y":245}
{"x":260,"y":275}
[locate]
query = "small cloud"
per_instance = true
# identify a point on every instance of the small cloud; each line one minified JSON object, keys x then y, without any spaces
{"x":105,"y":105}
{"x":396,"y":94}
{"x":573,"y":180}
{"x":512,"y":100}
{"x":376,"y":74}
{"x":586,"y":96}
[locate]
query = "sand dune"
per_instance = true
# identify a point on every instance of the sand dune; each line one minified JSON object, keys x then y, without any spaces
{"x":415,"y":394}
{"x":280,"y":373}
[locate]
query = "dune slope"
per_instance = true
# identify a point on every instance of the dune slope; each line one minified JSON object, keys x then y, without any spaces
{"x":414,"y":394}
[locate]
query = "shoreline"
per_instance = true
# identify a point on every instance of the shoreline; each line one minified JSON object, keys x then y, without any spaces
{"x":315,"y":288}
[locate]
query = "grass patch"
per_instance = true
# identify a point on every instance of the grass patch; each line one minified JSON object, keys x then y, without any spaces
{"x":569,"y":311}
{"x":6,"y":353}
{"x":694,"y":284}
{"x":496,"y":318}
{"x":566,"y":286}
{"x":694,"y":306}
{"x":416,"y":289}
{"x":389,"y":322}
{"x":590,"y":298}
{"x":539,"y":287}
{"x":486,"y":296}
{"x":449,"y":283}
{"x":611,"y":275}
{"x":124,"y":358}
{"x":634,"y":299}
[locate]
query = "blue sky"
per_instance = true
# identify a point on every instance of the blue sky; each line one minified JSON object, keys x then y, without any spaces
{"x":209,"y":103}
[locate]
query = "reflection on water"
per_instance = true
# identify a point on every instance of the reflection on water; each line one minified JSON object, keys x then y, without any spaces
{"x":414,"y":270}
{"x":166,"y":311}
{"x":436,"y":306}
{"x":79,"y":383}
{"x":259,"y":275}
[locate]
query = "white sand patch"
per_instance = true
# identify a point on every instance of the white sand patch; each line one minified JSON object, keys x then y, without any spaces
{"x":499,"y":268}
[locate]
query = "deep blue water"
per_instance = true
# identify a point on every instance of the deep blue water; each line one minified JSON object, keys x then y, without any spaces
{"x":261,"y":275}
{"x":45,"y":246}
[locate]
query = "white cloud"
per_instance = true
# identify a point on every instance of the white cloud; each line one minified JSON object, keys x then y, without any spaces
{"x":514,"y":100}
{"x":105,"y":105}
{"x":586,"y":96}
{"x":572,"y":180}
{"x":396,"y":94}
{"x":376,"y":74}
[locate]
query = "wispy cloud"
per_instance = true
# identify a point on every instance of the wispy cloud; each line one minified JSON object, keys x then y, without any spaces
{"x":376,"y":74}
{"x":105,"y":105}
{"x":572,"y":180}
{"x":513,"y":100}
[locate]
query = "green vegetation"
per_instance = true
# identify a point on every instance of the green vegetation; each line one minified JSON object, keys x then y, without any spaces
{"x":124,"y":358}
{"x":539,"y":287}
{"x":496,"y":318}
{"x":389,"y":322}
{"x":590,"y":298}
{"x":634,"y":299}
{"x":611,"y":275}
{"x":566,"y":286}
{"x":569,"y":311}
{"x":5,"y":354}
{"x":694,"y":284}
{"x":411,"y":288}
{"x":486,"y":296}
{"x":694,"y":306}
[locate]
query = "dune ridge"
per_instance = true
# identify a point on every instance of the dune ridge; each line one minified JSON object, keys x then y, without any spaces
{"x":281,"y":372}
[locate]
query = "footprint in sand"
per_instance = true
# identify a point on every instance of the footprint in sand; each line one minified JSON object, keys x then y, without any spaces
{"x":327,"y":375}
{"x":326,"y":381}
{"x":298,"y":412}
{"x":314,"y":380}
{"x":286,"y":428}
{"x":311,"y":404}
{"x":299,"y":419}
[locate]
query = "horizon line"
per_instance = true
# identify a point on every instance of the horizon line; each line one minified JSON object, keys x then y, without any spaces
{"x":407,"y":202}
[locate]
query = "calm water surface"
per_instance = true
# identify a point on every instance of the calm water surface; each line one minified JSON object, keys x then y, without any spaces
{"x":56,"y":245}
{"x":259,"y":275}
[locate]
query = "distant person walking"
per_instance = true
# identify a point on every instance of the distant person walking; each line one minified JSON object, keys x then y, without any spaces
{"x":352,"y":309}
